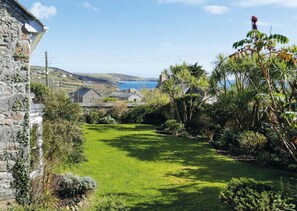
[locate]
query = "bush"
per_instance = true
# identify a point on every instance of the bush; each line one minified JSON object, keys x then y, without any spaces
{"x":227,"y":140}
{"x":118,"y":110}
{"x":173,"y":127}
{"x":110,"y":99}
{"x":252,"y":142}
{"x":111,"y":203}
{"x":92,"y":117}
{"x":249,"y":194}
{"x":107,"y":120}
{"x":72,"y":185}
{"x":136,"y":115}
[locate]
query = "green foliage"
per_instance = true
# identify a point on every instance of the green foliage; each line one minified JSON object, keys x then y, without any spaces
{"x":118,"y":110}
{"x":107,"y":120}
{"x":249,"y":194}
{"x":59,"y":106}
{"x":263,"y":92}
{"x":155,"y":98}
{"x":72,"y":185}
{"x":91,"y":117}
{"x":252,"y":142}
{"x":63,"y":140}
{"x":136,"y":115}
{"x":40,"y":91}
{"x":110,"y":99}
{"x":111,"y":203}
{"x":21,"y":181}
{"x":173,"y":127}
{"x":228,"y":140}
{"x":185,"y":80}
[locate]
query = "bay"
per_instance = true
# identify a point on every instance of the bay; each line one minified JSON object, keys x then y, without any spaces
{"x":124,"y":85}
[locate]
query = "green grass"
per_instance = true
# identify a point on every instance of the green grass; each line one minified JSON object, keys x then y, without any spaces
{"x":157,"y":172}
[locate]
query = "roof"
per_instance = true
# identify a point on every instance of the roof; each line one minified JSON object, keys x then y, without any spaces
{"x":34,"y":26}
{"x":84,"y":90}
{"x":123,"y":94}
{"x":24,"y":9}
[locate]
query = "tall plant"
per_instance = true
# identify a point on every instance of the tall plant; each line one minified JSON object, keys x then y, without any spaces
{"x":185,"y":86}
{"x":276,"y":65}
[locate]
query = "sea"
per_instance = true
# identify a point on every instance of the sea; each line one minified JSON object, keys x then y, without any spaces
{"x":124,"y":85}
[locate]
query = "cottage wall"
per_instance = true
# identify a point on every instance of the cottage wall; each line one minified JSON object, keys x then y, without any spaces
{"x":14,"y":96}
{"x":91,"y":97}
{"x":134,"y":98}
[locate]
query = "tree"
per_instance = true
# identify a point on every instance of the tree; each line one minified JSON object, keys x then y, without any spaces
{"x":275,"y":67}
{"x":62,"y":137}
{"x":185,"y":86}
{"x":155,"y":98}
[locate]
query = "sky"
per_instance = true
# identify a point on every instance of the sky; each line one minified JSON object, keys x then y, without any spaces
{"x":144,"y":37}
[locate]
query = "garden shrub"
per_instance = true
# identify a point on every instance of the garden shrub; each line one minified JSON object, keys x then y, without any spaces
{"x":110,"y":99}
{"x":136,"y":115}
{"x":252,"y":142}
{"x":111,"y":203}
{"x":107,"y":120}
{"x":118,"y":110}
{"x":72,"y":185}
{"x":92,"y":117}
{"x":173,"y":127}
{"x":249,"y":194}
{"x":264,"y":158}
{"x":144,"y":114}
{"x":227,"y":140}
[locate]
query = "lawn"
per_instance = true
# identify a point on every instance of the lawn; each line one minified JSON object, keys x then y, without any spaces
{"x":158,"y":172}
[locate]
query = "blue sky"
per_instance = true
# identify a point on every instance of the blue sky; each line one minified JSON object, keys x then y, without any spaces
{"x":143,"y":37}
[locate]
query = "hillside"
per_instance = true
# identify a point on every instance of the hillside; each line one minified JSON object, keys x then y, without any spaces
{"x":67,"y":81}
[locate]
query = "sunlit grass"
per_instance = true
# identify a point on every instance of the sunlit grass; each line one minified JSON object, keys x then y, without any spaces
{"x":157,"y":172}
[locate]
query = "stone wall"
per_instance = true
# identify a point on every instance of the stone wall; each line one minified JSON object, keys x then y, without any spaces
{"x":14,"y":96}
{"x":91,"y":97}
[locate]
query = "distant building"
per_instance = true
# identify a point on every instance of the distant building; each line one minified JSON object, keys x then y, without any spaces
{"x":86,"y":96}
{"x":127,"y":96}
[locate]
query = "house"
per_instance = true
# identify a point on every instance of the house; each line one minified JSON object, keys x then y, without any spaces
{"x":86,"y":95}
{"x":127,"y":96}
{"x":20,"y":32}
{"x":135,"y":91}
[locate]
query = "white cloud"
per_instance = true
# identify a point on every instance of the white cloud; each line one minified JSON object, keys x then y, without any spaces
{"x":88,"y":5}
{"x":43,"y":12}
{"x":216,"y":9}
{"x":189,"y":2}
{"x":254,"y":3}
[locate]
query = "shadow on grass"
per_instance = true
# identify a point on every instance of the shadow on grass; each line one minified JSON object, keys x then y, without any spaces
{"x":200,"y":164}
{"x":118,"y":127}
{"x":200,"y":160}
{"x":178,"y":198}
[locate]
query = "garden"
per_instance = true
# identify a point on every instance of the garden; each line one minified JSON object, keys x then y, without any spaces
{"x":181,"y":150}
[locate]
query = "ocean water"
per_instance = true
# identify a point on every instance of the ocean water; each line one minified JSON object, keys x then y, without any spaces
{"x":124,"y":85}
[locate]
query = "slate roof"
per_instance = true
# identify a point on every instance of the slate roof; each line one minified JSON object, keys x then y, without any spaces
{"x":123,"y":95}
{"x":84,"y":90}
{"x":23,"y":9}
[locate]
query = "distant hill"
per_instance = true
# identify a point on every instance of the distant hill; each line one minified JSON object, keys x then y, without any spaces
{"x":116,"y":77}
{"x":60,"y":73}
{"x":59,"y":78}
{"x":67,"y":81}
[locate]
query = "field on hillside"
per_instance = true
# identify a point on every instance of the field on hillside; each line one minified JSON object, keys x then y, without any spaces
{"x":158,"y":172}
